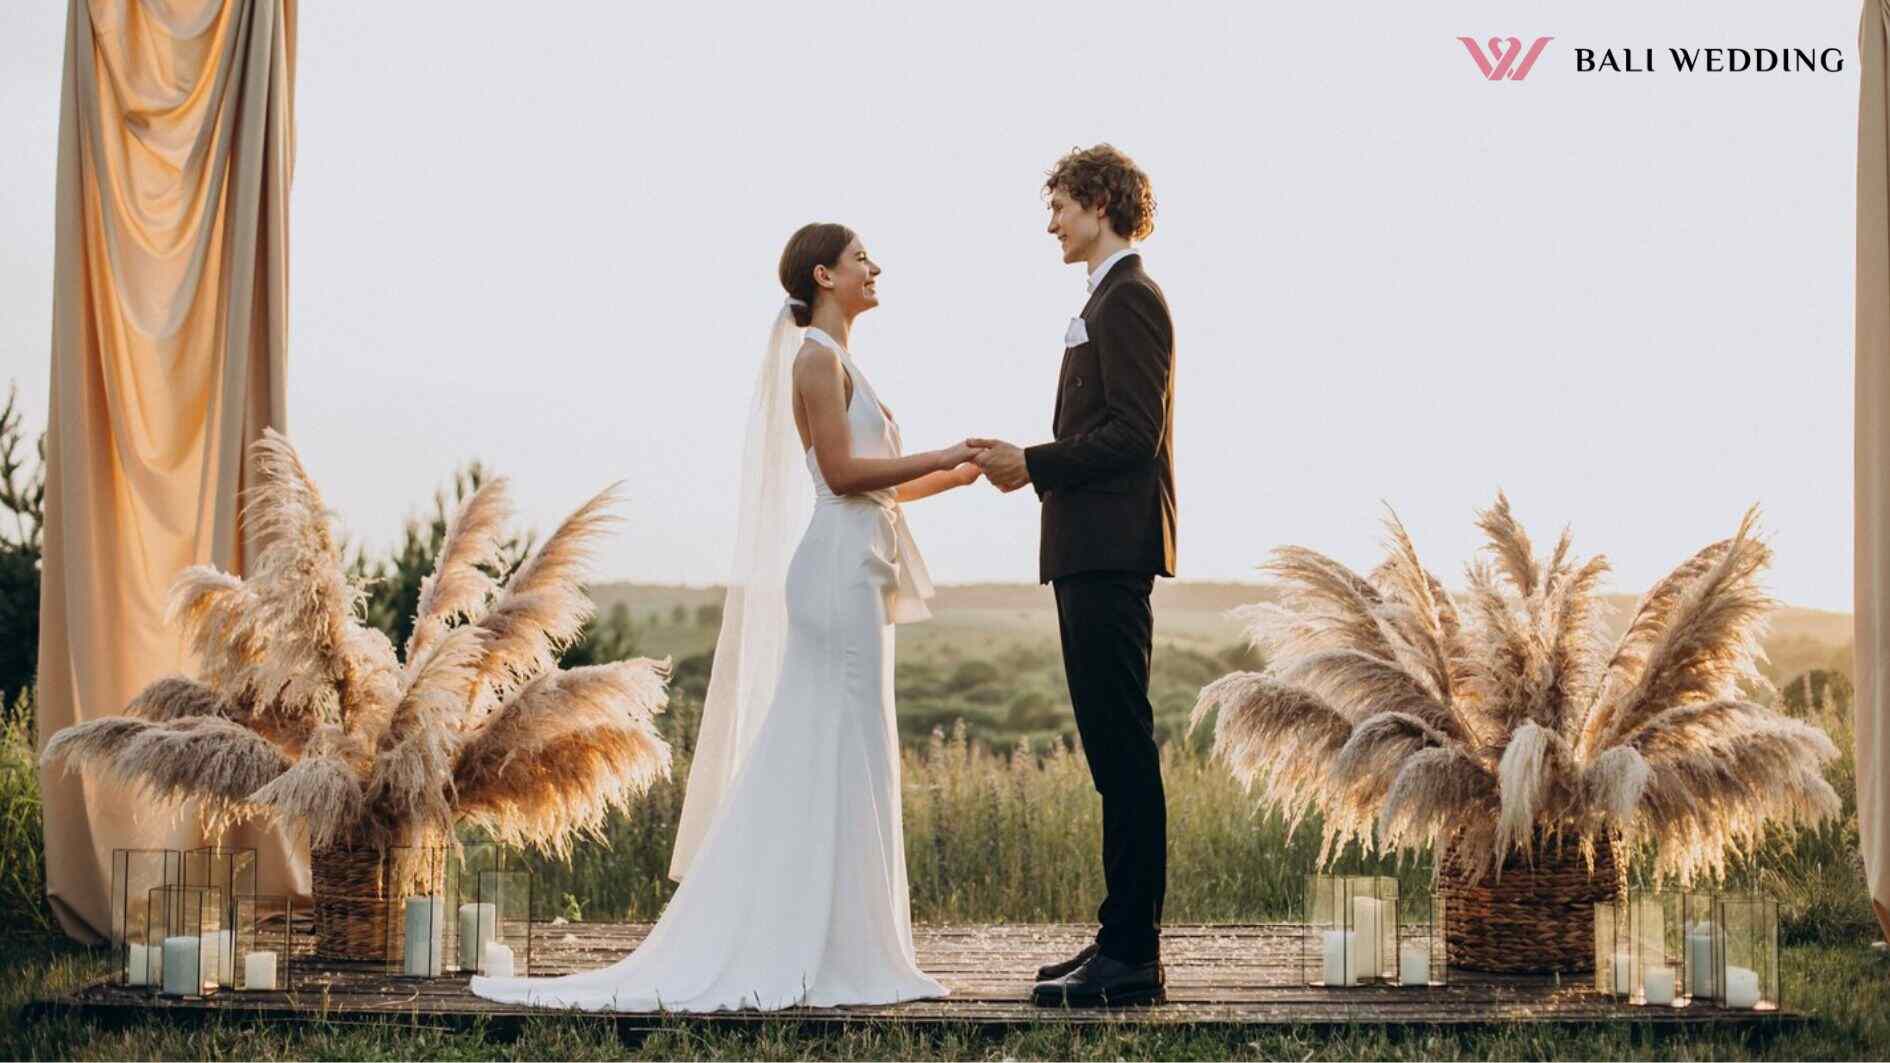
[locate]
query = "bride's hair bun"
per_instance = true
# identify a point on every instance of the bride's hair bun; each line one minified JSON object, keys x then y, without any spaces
{"x":820,"y":243}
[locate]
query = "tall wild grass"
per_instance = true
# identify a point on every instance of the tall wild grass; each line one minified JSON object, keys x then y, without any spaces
{"x":23,"y":907}
{"x":1009,"y":836}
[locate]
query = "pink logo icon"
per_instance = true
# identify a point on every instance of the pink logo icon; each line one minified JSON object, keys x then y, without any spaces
{"x":1506,"y":58}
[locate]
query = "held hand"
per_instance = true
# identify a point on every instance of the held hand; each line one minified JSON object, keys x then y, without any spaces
{"x":954,"y":456}
{"x":967,"y":473}
{"x":1003,"y":464}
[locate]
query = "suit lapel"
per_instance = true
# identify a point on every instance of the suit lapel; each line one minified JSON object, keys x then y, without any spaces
{"x":1116,"y":272}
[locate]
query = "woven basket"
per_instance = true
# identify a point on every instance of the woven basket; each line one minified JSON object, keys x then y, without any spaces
{"x":350,"y":904}
{"x":1537,"y":916}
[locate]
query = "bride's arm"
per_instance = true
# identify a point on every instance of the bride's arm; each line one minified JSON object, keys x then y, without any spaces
{"x":937,"y":482}
{"x":820,"y":384}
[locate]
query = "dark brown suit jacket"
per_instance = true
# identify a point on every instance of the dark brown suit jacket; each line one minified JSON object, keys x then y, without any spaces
{"x":1108,"y":480}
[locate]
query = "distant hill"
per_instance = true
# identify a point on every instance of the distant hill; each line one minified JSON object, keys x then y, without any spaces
{"x":1187,"y":613}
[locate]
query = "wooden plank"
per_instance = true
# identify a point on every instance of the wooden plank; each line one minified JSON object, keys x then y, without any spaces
{"x":1244,"y":975}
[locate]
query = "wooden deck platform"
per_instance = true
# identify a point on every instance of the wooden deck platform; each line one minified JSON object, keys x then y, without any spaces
{"x":1241,"y":975}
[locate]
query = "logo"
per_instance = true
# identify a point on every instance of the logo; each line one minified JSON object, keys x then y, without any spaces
{"x":1506,"y":58}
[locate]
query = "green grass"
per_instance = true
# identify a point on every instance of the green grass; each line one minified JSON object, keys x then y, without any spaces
{"x":23,"y":907}
{"x":1846,"y":988}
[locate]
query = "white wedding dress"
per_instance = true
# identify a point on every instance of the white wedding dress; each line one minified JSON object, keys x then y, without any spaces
{"x":796,"y":893}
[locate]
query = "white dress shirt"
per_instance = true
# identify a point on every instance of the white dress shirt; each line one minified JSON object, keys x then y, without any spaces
{"x":1102,"y":271}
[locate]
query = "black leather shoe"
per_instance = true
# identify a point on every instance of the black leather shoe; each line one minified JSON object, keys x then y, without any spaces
{"x":1057,"y":970}
{"x":1102,"y":982}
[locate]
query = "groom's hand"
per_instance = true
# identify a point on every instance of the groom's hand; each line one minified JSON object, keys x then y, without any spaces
{"x":1003,"y":464}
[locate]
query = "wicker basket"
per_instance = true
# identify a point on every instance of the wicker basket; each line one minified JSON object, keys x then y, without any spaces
{"x":1537,"y":916}
{"x":349,"y":904}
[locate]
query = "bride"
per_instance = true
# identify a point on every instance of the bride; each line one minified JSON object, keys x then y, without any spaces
{"x":790,"y":851}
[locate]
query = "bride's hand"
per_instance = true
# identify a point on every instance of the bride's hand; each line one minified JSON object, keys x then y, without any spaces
{"x":953,"y":457}
{"x":967,"y":473}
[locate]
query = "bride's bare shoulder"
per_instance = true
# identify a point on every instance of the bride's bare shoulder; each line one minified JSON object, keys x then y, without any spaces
{"x":819,"y":352}
{"x":817,"y":366}
{"x":816,"y":360}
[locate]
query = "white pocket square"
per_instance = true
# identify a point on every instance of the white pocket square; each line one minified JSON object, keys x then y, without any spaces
{"x":1078,"y":333}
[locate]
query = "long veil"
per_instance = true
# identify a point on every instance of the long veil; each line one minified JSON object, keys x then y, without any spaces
{"x":776,"y":503}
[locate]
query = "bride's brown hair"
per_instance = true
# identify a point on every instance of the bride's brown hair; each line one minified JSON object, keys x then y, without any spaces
{"x":819,"y":243}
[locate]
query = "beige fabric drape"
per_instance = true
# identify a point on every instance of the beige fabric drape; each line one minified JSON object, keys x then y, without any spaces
{"x":1872,"y":469}
{"x":169,"y":336}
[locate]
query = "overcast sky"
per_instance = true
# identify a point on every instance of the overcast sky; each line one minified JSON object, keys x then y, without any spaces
{"x":549,"y":242}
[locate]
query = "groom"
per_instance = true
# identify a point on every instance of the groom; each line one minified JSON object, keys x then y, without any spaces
{"x":1107,"y":484}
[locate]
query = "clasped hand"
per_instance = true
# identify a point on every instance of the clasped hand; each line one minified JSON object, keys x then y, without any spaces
{"x":998,"y":461}
{"x":1003,"y":463}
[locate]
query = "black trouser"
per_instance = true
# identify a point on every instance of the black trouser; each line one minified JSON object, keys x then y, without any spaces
{"x":1108,"y":631}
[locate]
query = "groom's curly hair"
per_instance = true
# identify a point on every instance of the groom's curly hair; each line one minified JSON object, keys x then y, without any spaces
{"x":1104,"y":175}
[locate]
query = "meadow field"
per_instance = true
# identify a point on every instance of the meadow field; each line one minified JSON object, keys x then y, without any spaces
{"x":1002,"y":825}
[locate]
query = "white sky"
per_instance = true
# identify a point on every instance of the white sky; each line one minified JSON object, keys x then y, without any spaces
{"x":550,"y":242}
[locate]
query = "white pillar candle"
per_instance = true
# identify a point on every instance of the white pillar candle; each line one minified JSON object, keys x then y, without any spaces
{"x":426,"y":936}
{"x":1337,"y":952}
{"x":478,"y":927}
{"x":1367,"y":961}
{"x":1658,"y":984}
{"x":1700,"y":960}
{"x":1742,"y":987}
{"x":183,"y":973}
{"x":498,"y":960}
{"x":1623,"y":973}
{"x":1414,"y":963}
{"x":145,"y":964}
{"x":259,"y":970}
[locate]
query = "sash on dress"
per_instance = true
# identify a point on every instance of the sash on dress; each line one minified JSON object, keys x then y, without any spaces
{"x":912,"y":586}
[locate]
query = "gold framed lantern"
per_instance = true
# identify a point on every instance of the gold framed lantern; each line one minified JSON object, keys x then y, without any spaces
{"x":1351,"y":932}
{"x":415,"y":891}
{"x":469,"y":925}
{"x":1699,"y":914}
{"x":1640,"y":948}
{"x":501,"y":943}
{"x":1614,"y":956}
{"x":1421,"y":957}
{"x":265,"y":943}
{"x":186,"y":922}
{"x":231,"y":870}
{"x":1660,"y":933}
{"x":135,"y":873}
{"x":1745,"y":952}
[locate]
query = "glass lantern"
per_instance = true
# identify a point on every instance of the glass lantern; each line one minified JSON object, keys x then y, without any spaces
{"x":1661,"y":932}
{"x":1351,"y":933}
{"x":1640,"y":948}
{"x":496,"y":928}
{"x":415,"y":891}
{"x":1421,"y":960}
{"x":186,"y":924}
{"x":265,"y":943}
{"x":1699,"y":915}
{"x":1745,"y":952}
{"x":1614,"y":958}
{"x":465,"y":923}
{"x":232,"y":872}
{"x":135,"y":873}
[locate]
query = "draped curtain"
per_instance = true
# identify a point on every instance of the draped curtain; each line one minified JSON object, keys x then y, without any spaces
{"x":1872,"y":469}
{"x":169,"y":338}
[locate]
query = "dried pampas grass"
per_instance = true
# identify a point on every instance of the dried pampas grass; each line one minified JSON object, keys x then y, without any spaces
{"x":1406,"y":718}
{"x":303,"y":711}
